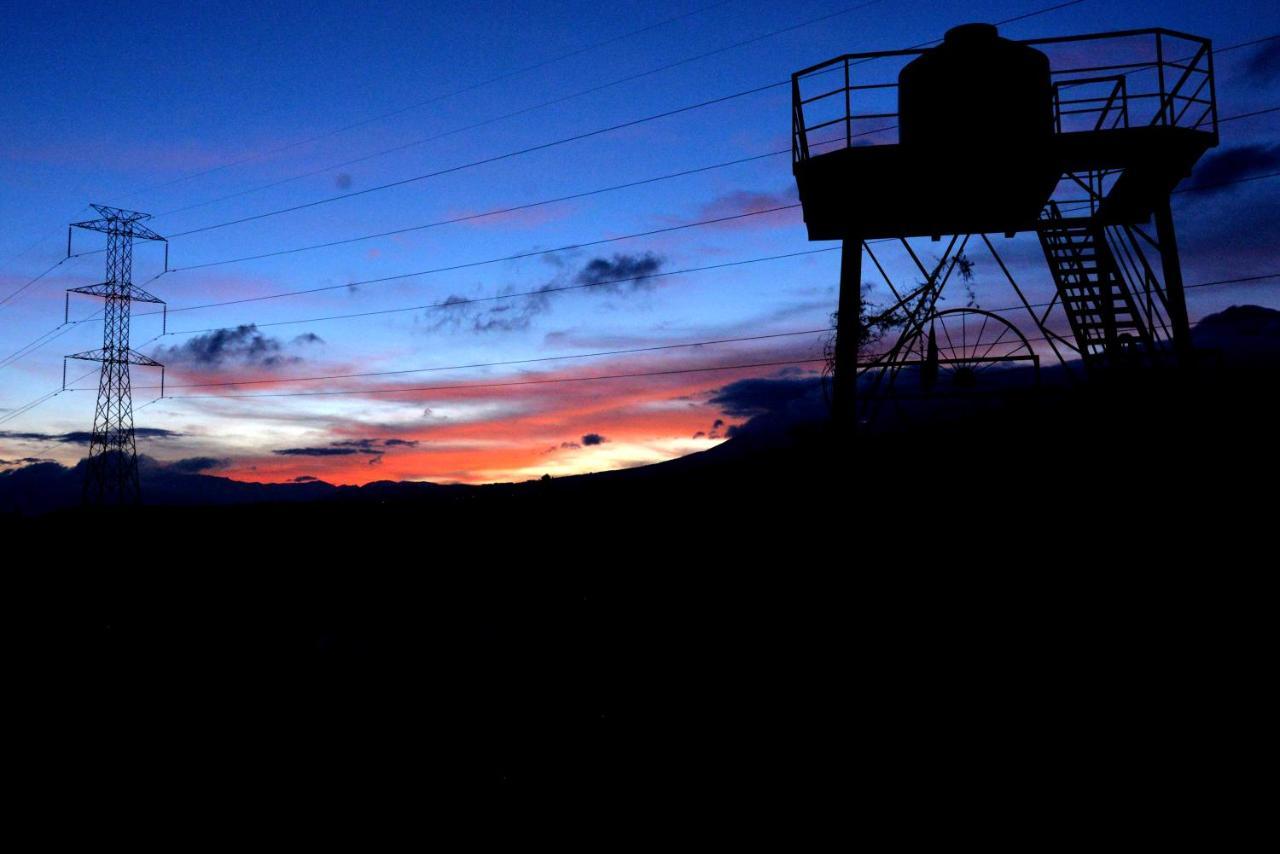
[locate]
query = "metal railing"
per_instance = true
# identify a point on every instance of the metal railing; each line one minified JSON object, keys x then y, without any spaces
{"x":1101,"y":82}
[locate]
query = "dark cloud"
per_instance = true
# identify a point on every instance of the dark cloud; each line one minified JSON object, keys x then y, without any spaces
{"x":593,"y":439}
{"x":243,"y":345}
{"x":509,"y":317}
{"x":569,"y":446}
{"x":195,"y":465}
{"x":304,"y":478}
{"x":342,"y":181}
{"x":1230,"y":164}
{"x":358,"y":444}
{"x":631,"y":271}
{"x":751,"y":397}
{"x":1265,"y":61}
{"x":458,"y":311}
{"x":714,"y":432}
{"x":24,"y":461}
{"x":82,"y":437}
{"x":620,"y":274}
{"x":699,"y":435}
{"x":317,"y":452}
{"x":370,"y":444}
{"x":349,"y":447}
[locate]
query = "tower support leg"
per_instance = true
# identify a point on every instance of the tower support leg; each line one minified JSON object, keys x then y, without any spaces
{"x":847,"y":332}
{"x":1174,"y":291}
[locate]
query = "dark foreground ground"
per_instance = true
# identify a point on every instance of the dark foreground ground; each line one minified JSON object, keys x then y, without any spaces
{"x":982,"y":625}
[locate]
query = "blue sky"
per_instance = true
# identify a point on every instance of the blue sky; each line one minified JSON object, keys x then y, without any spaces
{"x":174,"y":106}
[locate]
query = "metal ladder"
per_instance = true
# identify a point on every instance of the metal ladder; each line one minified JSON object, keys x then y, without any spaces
{"x":1097,"y":299}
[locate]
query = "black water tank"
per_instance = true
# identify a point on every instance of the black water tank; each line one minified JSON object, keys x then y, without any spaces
{"x":974,"y":93}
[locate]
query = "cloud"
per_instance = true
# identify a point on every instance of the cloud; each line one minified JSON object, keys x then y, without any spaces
{"x":358,"y":444}
{"x":593,"y":439}
{"x":349,"y":447}
{"x":457,"y":311}
{"x":82,"y":437}
{"x":1265,"y":61}
{"x":619,"y":274}
{"x":304,"y":478}
{"x":243,"y":345}
{"x":317,"y":452}
{"x":751,"y":397}
{"x":622,"y":269}
{"x":195,"y":465}
{"x":1241,"y":161}
{"x":742,"y":202}
{"x":25,"y":461}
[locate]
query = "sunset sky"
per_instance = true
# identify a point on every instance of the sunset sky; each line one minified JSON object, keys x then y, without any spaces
{"x":201,"y":114}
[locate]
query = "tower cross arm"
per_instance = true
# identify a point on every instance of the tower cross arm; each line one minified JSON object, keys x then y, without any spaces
{"x":106,"y":289}
{"x":140,"y":230}
{"x":118,"y":220}
{"x":109,"y":226}
{"x":131,"y":357}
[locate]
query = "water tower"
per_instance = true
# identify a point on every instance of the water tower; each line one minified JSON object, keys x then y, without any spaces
{"x":1079,"y":139}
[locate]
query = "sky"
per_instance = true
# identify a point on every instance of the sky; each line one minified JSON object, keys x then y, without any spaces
{"x":203,"y":114}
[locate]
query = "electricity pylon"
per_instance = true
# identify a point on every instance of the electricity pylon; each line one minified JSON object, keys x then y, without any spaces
{"x":111,"y":475}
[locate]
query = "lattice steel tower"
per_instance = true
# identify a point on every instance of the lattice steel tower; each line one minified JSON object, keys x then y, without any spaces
{"x":111,"y":475}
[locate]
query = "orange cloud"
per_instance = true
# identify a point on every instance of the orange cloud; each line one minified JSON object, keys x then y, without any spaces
{"x":646,"y":419}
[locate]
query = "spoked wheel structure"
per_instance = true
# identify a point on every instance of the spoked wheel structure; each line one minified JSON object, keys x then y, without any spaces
{"x":947,"y":365}
{"x":961,"y":350}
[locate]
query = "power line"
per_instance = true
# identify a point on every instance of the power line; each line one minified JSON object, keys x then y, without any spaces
{"x":474,"y":163}
{"x":1249,"y":115}
{"x":618,"y":352}
{"x":1033,"y":14}
{"x":31,"y":282}
{"x":471,"y":87}
{"x":9,"y":416}
{"x":1236,"y":281}
{"x":506,"y":363}
{"x":1076,"y":206}
{"x":542,"y":202}
{"x":42,"y":399}
{"x":470,"y":264}
{"x":54,"y":333}
{"x":508,"y":384}
{"x":1246,"y":44}
{"x":518,"y":256}
{"x":1056,"y":337}
{"x":45,"y":398}
{"x":434,"y":99}
{"x":493,"y":212}
{"x":541,"y":146}
{"x":544,"y":381}
{"x":522,"y":111}
{"x":455,"y":302}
